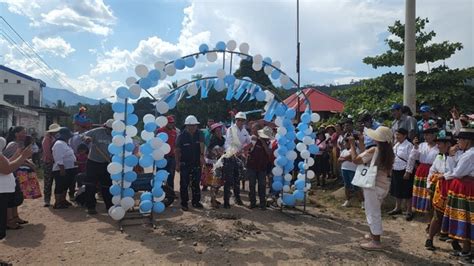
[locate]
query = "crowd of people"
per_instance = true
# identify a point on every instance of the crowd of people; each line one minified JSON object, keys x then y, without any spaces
{"x":426,"y":165}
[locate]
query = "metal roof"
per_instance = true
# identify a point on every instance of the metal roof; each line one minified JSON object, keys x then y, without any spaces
{"x":14,"y":72}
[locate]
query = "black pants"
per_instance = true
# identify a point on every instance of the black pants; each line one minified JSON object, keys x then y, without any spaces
{"x":5,"y":202}
{"x":97,"y":173}
{"x":63,"y":183}
{"x":171,"y":168}
{"x":253,"y":177}
{"x":190,"y":174}
{"x":231,"y":174}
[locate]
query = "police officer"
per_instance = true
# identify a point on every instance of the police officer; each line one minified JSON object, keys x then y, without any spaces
{"x":189,"y":155}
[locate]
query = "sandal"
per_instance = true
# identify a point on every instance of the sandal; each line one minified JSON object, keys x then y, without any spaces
{"x":371,"y":246}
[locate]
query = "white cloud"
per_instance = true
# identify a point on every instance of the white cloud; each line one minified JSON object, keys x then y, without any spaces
{"x":56,"y":46}
{"x":347,"y":80}
{"x":332,"y":70}
{"x":91,"y":16}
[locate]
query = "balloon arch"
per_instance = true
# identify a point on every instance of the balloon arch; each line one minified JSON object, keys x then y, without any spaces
{"x":154,"y":148}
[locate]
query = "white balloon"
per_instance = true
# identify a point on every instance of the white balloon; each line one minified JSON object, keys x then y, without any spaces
{"x":146,"y":136}
{"x":170,"y":70}
{"x":277,"y":171}
{"x":300,"y":147}
{"x":307,"y":140}
{"x":275,"y":153}
{"x":315,"y":117}
{"x":126,"y":184}
{"x":286,"y":188}
{"x":160,"y":198}
{"x":291,"y":155}
{"x":119,"y":116}
{"x":256,"y":67}
{"x":148,"y":118}
{"x":141,"y":71}
{"x":288,"y":177}
{"x":279,"y":202}
{"x":163,"y":91}
{"x":181,"y":82}
{"x":161,"y":121}
{"x":305,"y":154}
{"x":276,"y":64}
{"x":165,"y":148}
{"x":114,"y":168}
{"x":131,"y":131}
{"x":279,"y":121}
{"x":127,"y":203}
{"x":163,"y":75}
{"x":310,"y":174}
{"x":258,"y":59}
{"x":244,"y":48}
{"x":160,"y":65}
{"x":128,"y":139}
{"x":156,"y":143}
{"x":282,"y":131}
{"x":305,"y":166}
{"x":158,"y":154}
{"x":310,"y":161}
{"x":130,"y":81}
{"x":117,"y":213}
{"x":192,"y":89}
{"x":220,"y":73}
{"x":135,"y":90}
{"x":118,"y":126}
{"x":118,"y":140}
{"x":112,"y":208}
{"x":211,"y":57}
{"x":269,"y":96}
{"x":268,"y":70}
{"x":116,"y":200}
{"x":284,"y":79}
{"x":162,"y":107}
{"x":127,"y":168}
{"x":231,"y":45}
{"x":309,"y":130}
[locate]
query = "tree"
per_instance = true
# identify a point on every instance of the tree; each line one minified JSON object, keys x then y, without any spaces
{"x":59,"y":104}
{"x":440,"y":87}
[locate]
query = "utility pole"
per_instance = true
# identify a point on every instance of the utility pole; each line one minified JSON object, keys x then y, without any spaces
{"x":409,"y":79}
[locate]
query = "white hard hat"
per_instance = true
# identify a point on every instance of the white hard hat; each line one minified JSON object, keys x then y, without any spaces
{"x":191,"y":120}
{"x":241,"y":115}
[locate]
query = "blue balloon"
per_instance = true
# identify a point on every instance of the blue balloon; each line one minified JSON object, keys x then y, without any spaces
{"x":158,"y":207}
{"x":131,"y":160}
{"x":290,"y":113}
{"x":278,"y":178}
{"x":163,"y":136}
{"x":150,"y":127}
{"x":179,"y":64}
{"x":267,"y":60}
{"x":291,"y":145}
{"x":132,"y":119}
{"x":220,"y":46}
{"x":275,"y":74}
{"x":130,"y":176}
{"x":129,"y":147}
{"x":229,"y":79}
{"x":123,"y":92}
{"x":203,"y":48}
{"x":277,"y":186}
{"x":287,"y":122}
{"x":288,"y":86}
{"x":115,"y":190}
{"x":116,"y":133}
{"x":300,"y":135}
{"x":146,"y":161}
{"x":114,"y":149}
{"x":313,"y":149}
{"x":146,"y":205}
{"x":146,"y":196}
{"x":190,"y":62}
{"x":116,"y":177}
{"x":289,"y":199}
{"x":161,"y":163}
{"x":306,"y":118}
{"x":302,"y":126}
{"x":301,"y":166}
{"x":118,"y":107}
{"x":116,"y":159}
{"x":161,"y":175}
{"x":299,"y":195}
{"x":289,"y":166}
{"x":157,"y":191}
{"x":280,"y":110}
{"x":281,"y":161}
{"x":260,"y":96}
{"x":300,"y":184}
{"x":154,"y":75}
{"x":130,"y":108}
{"x":282,"y":150}
{"x":128,"y":192}
{"x":145,"y":83}
{"x":146,"y":148}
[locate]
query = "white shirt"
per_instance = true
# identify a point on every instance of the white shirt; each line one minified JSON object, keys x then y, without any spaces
{"x":402,"y":154}
{"x":425,"y":154}
{"x":440,"y":165}
{"x":7,"y":183}
{"x":464,"y":167}
{"x":243,"y":137}
{"x":63,"y":154}
{"x":347,"y":165}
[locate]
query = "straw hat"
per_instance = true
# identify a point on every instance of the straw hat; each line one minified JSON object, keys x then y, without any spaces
{"x":466,"y":133}
{"x":215,"y":125}
{"x":109,"y":123}
{"x":53,"y":128}
{"x":381,"y":134}
{"x":266,"y":133}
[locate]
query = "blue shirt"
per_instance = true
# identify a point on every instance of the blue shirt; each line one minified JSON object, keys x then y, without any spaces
{"x":367,"y":140}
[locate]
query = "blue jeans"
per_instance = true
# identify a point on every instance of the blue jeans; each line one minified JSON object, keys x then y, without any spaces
{"x":347,"y":176}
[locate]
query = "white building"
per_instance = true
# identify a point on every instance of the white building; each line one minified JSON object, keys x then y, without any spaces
{"x":21,"y":89}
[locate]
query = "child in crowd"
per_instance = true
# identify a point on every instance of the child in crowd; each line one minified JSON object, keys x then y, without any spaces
{"x":348,"y":169}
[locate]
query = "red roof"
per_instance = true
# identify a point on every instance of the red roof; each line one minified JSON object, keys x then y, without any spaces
{"x":320,"y":102}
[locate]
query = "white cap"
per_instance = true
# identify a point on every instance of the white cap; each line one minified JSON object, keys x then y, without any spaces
{"x":191,"y":120}
{"x":241,"y":115}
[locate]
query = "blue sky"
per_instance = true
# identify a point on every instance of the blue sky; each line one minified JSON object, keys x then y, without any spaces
{"x":94,"y":45}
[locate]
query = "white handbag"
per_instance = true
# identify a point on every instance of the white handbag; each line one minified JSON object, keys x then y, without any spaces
{"x":365,"y":175}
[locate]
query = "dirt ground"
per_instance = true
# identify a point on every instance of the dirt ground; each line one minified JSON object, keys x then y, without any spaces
{"x":236,"y":236}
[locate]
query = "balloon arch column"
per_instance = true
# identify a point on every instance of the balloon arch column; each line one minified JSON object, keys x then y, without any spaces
{"x":290,"y":138}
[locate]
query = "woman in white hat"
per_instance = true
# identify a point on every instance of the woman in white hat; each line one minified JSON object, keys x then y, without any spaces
{"x":384,"y":158}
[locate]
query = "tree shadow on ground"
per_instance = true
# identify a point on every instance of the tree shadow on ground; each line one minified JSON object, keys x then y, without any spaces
{"x":29,"y":237}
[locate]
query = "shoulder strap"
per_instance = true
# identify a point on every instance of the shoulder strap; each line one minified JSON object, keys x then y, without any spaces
{"x":376,"y":153}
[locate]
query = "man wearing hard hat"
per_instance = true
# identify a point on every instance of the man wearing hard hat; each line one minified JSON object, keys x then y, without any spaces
{"x":237,"y":138}
{"x":189,"y":154}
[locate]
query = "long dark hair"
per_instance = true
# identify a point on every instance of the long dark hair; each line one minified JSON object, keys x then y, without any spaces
{"x":12,"y":133}
{"x":385,"y":156}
